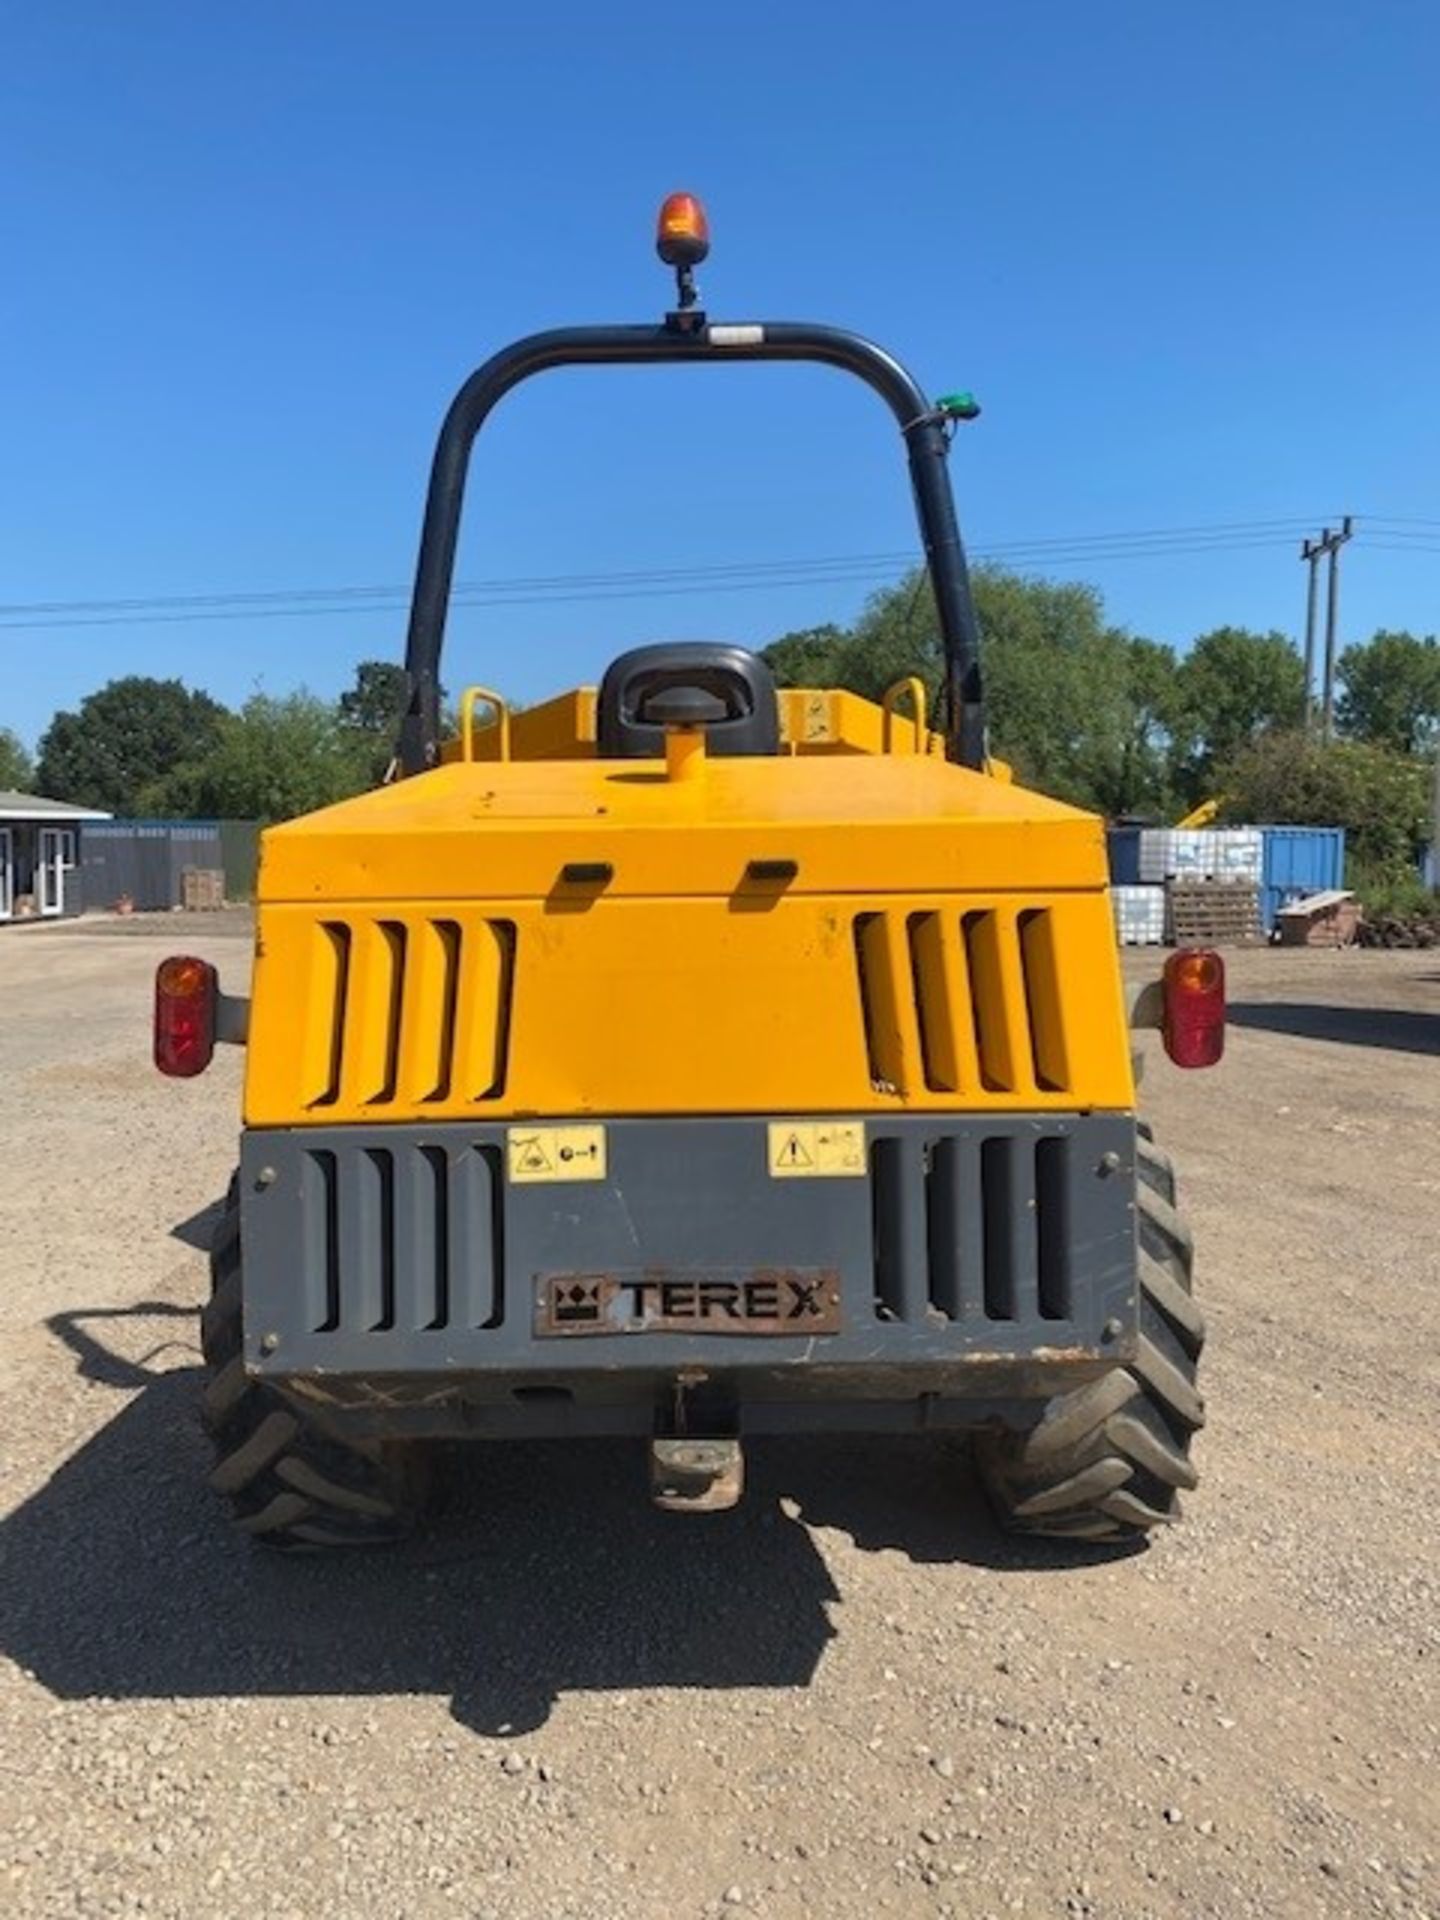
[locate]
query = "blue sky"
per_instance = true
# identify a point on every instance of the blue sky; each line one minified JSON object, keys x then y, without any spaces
{"x":1186,"y":257}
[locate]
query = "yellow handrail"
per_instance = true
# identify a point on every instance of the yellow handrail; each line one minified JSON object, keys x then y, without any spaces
{"x":468,"y":700}
{"x":915,"y":687}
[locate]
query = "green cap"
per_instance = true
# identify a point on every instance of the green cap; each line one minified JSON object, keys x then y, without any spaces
{"x":958,"y":406}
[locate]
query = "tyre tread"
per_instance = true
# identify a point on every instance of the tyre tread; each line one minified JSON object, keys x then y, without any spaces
{"x":292,"y":1483}
{"x":1107,"y":1462}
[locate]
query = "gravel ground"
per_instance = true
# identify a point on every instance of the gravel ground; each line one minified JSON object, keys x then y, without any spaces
{"x":850,"y":1697}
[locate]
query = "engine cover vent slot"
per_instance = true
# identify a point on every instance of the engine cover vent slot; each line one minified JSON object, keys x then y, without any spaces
{"x":410,"y":1010}
{"x":962,"y":1004}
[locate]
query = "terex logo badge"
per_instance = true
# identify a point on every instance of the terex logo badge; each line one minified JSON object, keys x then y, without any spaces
{"x":576,"y":1303}
{"x":788,"y":1300}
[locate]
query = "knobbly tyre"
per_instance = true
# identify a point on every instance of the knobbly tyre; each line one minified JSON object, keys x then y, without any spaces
{"x":688,"y":1059}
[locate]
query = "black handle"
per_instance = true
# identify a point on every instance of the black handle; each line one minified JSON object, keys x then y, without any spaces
{"x":683,"y":707}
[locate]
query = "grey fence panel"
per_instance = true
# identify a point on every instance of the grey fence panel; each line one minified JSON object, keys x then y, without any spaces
{"x":144,"y":859}
{"x":240,"y":857}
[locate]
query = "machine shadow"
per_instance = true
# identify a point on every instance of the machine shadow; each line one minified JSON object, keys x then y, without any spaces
{"x":199,"y":1230}
{"x":95,"y":1361}
{"x":1399,"y":1028}
{"x":545,"y":1572}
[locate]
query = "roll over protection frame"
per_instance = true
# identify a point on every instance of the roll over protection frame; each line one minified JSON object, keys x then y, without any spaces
{"x":687,"y":336}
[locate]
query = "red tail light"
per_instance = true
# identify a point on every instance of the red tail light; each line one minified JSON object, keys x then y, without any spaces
{"x":185,"y":994}
{"x":1194,"y":1007}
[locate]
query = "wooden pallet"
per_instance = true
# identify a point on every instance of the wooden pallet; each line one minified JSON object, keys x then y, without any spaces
{"x":1213,"y":913}
{"x":202,"y":889}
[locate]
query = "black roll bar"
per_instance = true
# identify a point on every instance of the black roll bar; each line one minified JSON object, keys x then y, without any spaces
{"x":690,"y":337}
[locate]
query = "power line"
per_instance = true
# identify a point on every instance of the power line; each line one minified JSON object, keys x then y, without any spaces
{"x":1099,"y":543}
{"x":1147,"y":533}
{"x":467,"y":596}
{"x":589,"y":597}
{"x":537,"y":582}
{"x":558,"y":589}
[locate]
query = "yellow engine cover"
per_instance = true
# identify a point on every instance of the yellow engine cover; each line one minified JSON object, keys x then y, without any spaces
{"x":579,"y":936}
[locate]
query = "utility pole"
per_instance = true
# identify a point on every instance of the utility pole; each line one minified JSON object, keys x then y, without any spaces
{"x":1310,"y":552}
{"x":1333,"y":543}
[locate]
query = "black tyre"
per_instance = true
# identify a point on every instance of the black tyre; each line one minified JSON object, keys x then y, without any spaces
{"x":1108,"y":1462}
{"x":291,"y":1483}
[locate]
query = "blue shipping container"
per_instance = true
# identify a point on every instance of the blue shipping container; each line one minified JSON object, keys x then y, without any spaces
{"x":1299,"y":860}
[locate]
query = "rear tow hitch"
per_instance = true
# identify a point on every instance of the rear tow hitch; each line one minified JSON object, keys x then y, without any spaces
{"x":689,"y":1475}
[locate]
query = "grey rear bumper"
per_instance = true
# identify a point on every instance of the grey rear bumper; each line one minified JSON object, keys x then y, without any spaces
{"x":404,"y":1274}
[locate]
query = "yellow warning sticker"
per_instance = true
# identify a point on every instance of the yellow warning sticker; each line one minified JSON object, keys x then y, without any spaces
{"x":555,"y":1153}
{"x":817,"y":1149}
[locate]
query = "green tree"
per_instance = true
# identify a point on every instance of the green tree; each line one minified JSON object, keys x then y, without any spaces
{"x":370,"y":712}
{"x":276,"y":758}
{"x":17,"y":773}
{"x":374,"y":704}
{"x":1119,"y":746}
{"x":1081,"y":709}
{"x":1390,"y":691}
{"x":130,"y":734}
{"x":1380,"y":797}
{"x":1232,"y":686}
{"x":809,"y":657}
{"x":1154,"y":709}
